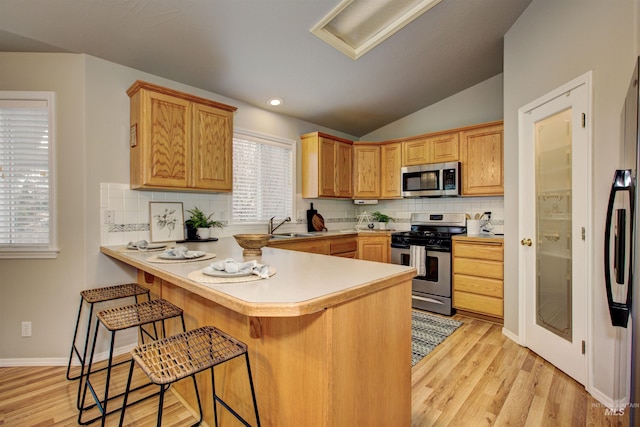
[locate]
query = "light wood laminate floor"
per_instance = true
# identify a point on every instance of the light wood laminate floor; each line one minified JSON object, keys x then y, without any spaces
{"x":477,"y":377}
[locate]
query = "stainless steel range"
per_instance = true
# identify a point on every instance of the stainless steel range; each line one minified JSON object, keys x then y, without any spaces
{"x":427,"y":247}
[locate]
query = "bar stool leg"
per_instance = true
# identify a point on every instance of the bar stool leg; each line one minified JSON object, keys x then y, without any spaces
{"x":102,"y":404}
{"x":73,"y":346}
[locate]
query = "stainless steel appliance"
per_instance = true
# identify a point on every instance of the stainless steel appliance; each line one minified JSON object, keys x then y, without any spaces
{"x":433,"y":180}
{"x":427,"y":247}
{"x":621,"y":259}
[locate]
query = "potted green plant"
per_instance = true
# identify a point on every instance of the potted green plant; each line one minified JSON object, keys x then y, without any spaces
{"x":382,"y":219}
{"x":199,"y":225}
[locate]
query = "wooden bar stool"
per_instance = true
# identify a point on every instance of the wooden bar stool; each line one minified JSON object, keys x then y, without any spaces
{"x":118,"y":319}
{"x":92,"y":297}
{"x":171,"y":359}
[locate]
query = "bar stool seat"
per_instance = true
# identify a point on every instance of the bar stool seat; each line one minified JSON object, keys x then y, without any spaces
{"x":171,"y":359}
{"x":92,"y":297}
{"x":118,"y":319}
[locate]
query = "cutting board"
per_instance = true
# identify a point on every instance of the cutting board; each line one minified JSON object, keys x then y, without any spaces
{"x":318,"y":222}
{"x":310,"y":213}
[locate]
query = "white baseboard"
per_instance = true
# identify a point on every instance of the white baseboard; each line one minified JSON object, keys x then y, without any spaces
{"x":62,"y":361}
{"x":513,"y":337}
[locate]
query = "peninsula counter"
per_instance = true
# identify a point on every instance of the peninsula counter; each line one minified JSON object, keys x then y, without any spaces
{"x":329,"y":338}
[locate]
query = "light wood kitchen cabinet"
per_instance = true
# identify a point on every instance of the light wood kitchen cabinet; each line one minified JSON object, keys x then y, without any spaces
{"x":433,"y":148}
{"x":375,"y":247}
{"x":179,"y":141}
{"x":481,"y":156}
{"x":343,"y":246}
{"x":327,"y":166}
{"x":390,"y":164}
{"x":366,"y":166}
{"x":376,"y":170}
{"x":478,"y":273}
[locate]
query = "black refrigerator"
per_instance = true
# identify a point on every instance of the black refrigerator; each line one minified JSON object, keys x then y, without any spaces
{"x":622,"y":257}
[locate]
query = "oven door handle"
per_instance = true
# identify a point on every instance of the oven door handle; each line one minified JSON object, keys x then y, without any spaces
{"x":427,"y":299}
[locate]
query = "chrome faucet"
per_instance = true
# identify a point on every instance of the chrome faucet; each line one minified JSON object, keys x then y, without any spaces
{"x":272,"y":228}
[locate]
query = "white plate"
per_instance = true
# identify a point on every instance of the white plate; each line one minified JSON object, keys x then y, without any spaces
{"x":217,"y":273}
{"x":193,"y":255}
{"x":156,"y":246}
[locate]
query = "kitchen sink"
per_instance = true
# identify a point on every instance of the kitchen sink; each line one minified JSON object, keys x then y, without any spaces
{"x":290,"y":235}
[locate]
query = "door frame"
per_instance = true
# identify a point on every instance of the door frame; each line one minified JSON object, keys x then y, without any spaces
{"x":586,"y":80}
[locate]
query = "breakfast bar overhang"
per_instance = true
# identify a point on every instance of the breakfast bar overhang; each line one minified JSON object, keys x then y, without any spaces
{"x":329,"y":338}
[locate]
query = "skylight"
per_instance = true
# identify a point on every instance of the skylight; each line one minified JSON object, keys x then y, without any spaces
{"x":354,"y":27}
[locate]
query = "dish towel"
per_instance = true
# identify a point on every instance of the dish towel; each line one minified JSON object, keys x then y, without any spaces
{"x":182,"y":252}
{"x":232,"y":266}
{"x":140,"y":244}
{"x":417,"y":259}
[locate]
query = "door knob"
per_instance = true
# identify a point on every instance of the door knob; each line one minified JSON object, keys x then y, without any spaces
{"x":525,"y":242}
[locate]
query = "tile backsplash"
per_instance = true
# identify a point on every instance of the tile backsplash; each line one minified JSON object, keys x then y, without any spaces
{"x":125,"y":212}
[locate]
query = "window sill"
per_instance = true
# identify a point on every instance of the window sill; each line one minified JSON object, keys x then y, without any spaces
{"x":7,"y":253}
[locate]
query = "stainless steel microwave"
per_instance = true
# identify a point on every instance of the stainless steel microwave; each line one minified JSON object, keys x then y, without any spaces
{"x":433,"y":180}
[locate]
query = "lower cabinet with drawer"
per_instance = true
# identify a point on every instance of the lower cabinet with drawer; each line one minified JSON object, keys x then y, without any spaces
{"x":346,"y":246}
{"x":478,"y":276}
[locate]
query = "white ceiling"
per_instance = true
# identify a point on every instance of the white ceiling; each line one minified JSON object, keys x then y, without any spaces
{"x":252,"y":50}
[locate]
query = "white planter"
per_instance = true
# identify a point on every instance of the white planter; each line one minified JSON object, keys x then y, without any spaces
{"x":204,"y":233}
{"x":382,"y":225}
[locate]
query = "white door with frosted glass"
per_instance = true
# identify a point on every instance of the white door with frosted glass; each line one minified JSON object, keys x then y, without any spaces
{"x":554,"y":213}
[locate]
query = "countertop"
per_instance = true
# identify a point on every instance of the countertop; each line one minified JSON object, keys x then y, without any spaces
{"x":304,"y":283}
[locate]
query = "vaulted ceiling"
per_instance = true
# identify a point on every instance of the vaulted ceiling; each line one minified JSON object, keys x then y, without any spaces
{"x":252,"y":50}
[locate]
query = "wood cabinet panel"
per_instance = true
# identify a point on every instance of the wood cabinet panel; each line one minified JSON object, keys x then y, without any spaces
{"x":478,"y":303}
{"x":444,"y":148}
{"x":481,"y":154}
{"x":485,"y":251}
{"x":179,"y":141}
{"x":366,"y":160}
{"x":478,"y":273}
{"x":479,"y":285}
{"x":437,"y":148}
{"x":478,"y":267}
{"x":415,"y":152}
{"x":327,"y":166}
{"x":344,"y":172}
{"x":213,"y":149}
{"x":315,"y":246}
{"x":390,"y":164}
{"x":374,"y":248}
{"x":347,"y":245}
{"x":164,"y":135}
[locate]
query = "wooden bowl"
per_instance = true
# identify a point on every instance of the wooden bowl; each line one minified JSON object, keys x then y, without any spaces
{"x":252,"y":243}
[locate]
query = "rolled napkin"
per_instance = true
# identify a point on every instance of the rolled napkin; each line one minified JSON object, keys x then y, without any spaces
{"x":182,"y":252}
{"x":230,"y":265}
{"x":140,"y":244}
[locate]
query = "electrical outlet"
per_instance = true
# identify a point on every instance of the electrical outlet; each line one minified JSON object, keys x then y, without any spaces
{"x":26,"y":329}
{"x":109,"y":216}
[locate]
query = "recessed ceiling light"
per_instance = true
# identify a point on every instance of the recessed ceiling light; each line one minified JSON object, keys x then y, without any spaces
{"x":275,"y":102}
{"x":354,"y":27}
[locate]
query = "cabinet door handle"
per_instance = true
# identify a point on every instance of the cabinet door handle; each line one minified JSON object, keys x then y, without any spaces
{"x":525,"y":242}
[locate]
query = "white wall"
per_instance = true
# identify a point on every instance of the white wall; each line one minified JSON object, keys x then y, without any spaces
{"x":552,"y":43}
{"x":478,"y":104}
{"x":92,"y":110}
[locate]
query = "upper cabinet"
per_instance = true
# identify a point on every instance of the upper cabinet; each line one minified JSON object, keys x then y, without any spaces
{"x":438,"y":148}
{"x":179,"y":141}
{"x":481,"y":156}
{"x":367,"y":168}
{"x":390,"y":164}
{"x":327,"y":165}
{"x":376,"y":170}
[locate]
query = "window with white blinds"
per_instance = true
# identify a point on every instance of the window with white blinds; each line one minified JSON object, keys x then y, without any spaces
{"x":263,"y":177}
{"x":26,"y":176}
